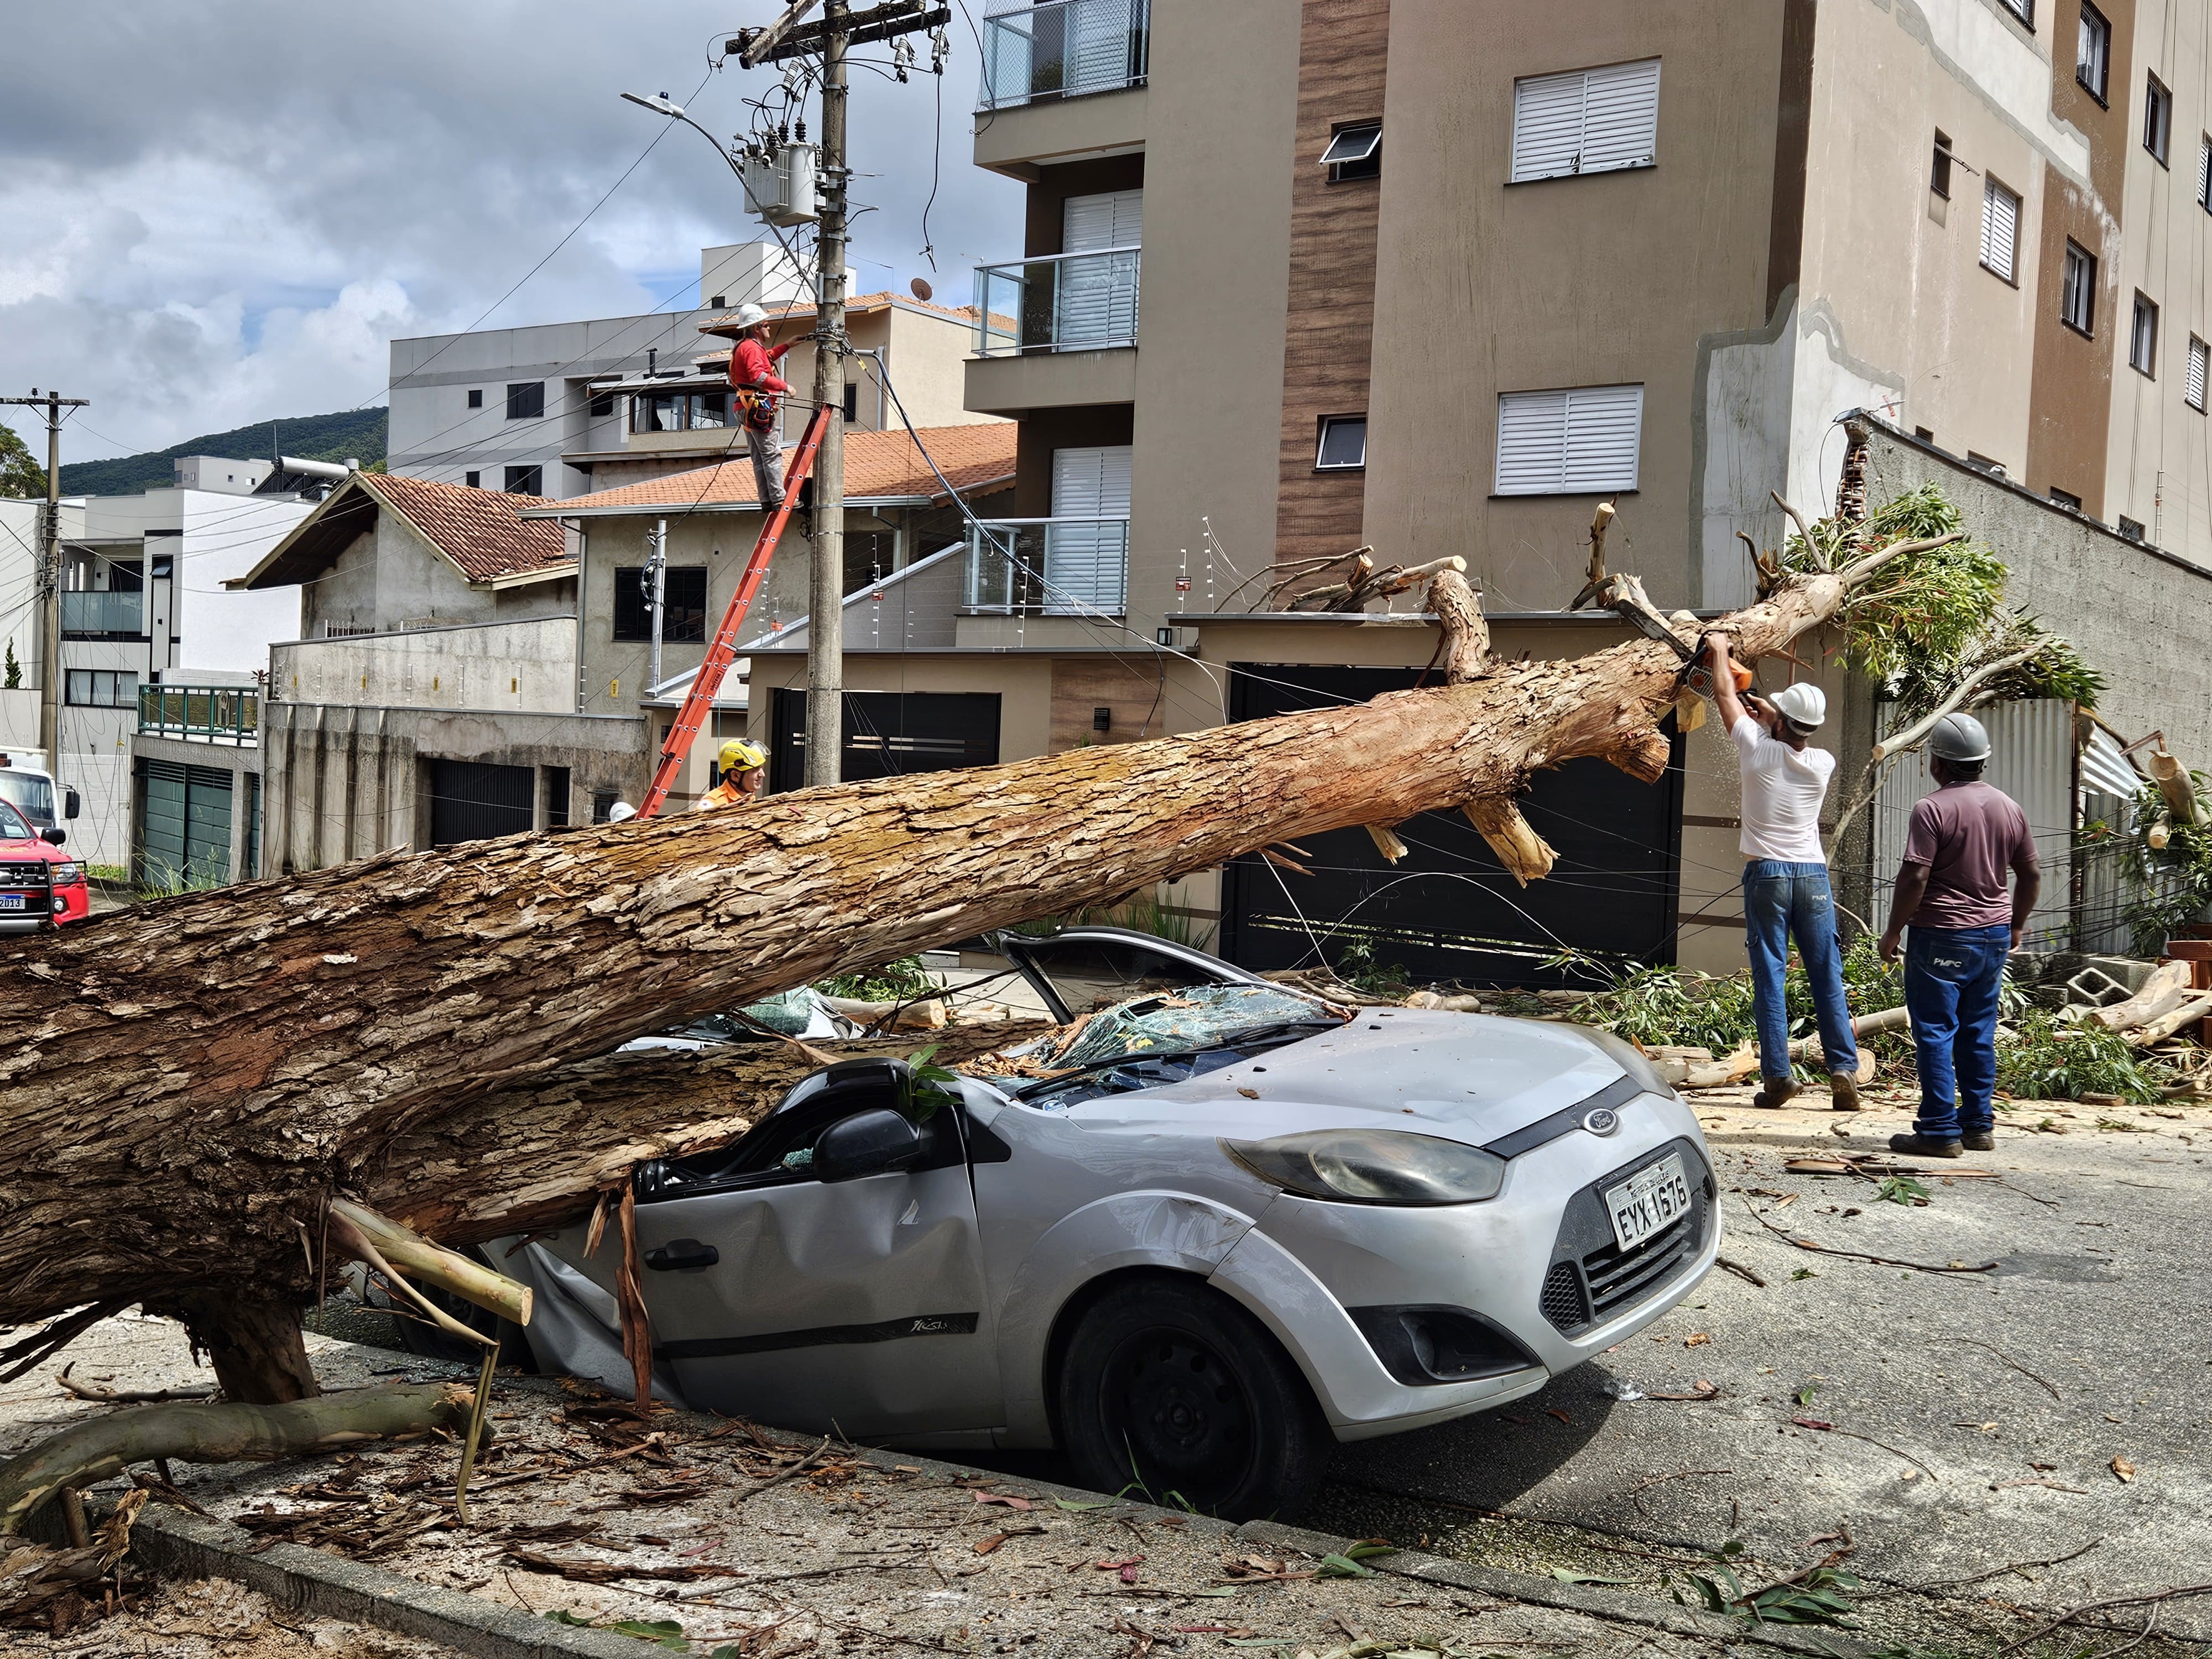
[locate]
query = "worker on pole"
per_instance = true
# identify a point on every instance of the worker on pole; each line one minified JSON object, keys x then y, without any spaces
{"x":744,"y":770}
{"x":1785,"y":877}
{"x":754,"y":385}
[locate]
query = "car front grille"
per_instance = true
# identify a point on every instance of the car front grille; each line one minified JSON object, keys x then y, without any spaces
{"x":1591,"y":1278}
{"x":23,"y":875}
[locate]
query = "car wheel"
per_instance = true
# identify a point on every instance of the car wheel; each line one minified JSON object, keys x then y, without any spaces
{"x":1172,"y":1390}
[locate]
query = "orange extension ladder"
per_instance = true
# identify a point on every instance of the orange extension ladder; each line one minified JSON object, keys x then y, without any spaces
{"x":724,"y":650}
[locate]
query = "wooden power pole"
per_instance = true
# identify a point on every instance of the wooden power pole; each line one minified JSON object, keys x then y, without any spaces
{"x":50,"y":577}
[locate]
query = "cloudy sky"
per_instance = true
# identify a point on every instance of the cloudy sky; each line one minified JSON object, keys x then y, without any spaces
{"x":217,"y":211}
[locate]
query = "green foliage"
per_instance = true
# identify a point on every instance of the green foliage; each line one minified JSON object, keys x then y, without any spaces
{"x":661,"y":1632}
{"x":1900,"y":1189}
{"x":2051,"y":1059}
{"x":2168,"y":884}
{"x":926,"y":1085}
{"x":20,"y":475}
{"x":1356,"y":966}
{"x":14,"y":672}
{"x":350,"y":434}
{"x":900,"y":981}
{"x":1661,"y":1008}
{"x":1816,"y":1597}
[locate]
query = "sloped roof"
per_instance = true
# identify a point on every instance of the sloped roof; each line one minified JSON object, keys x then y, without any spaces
{"x":879,"y":466}
{"x":479,"y":531}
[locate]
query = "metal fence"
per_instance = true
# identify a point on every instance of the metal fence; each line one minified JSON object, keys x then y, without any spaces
{"x":1064,"y":49}
{"x":204,"y":714}
{"x":100,"y":612}
{"x":1047,"y":567}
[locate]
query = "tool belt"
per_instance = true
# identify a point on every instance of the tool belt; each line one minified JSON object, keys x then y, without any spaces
{"x":758,"y":407}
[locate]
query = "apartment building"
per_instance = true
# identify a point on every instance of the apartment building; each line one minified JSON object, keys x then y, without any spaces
{"x":1437,"y":276}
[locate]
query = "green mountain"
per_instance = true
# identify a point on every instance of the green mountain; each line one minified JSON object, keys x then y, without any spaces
{"x":355,"y":433}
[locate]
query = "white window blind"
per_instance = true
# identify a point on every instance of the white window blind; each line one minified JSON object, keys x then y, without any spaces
{"x":1086,"y":548}
{"x":1999,"y":230}
{"x":1580,"y":441}
{"x":1097,"y":296}
{"x":2204,"y":174}
{"x":1594,"y":120}
{"x":2200,"y":361}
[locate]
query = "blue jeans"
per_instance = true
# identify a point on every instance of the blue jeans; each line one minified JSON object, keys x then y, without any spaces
{"x":1952,"y":978}
{"x":1782,"y":901}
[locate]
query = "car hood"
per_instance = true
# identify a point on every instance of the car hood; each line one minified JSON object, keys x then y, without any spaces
{"x":35,"y":848}
{"x":1466,"y":1077}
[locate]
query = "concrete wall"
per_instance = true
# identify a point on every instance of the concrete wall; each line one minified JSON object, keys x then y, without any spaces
{"x":343,"y":783}
{"x":390,"y":579}
{"x":524,"y":666}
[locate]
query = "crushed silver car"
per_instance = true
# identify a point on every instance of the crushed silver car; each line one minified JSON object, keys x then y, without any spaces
{"x":1197,"y":1241}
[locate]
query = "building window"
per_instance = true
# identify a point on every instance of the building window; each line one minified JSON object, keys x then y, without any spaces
{"x":2204,"y":172}
{"x":476,"y":397}
{"x":1355,"y":151}
{"x":1925,"y":434}
{"x":678,"y":411}
{"x":1596,"y":120}
{"x":2200,"y":368}
{"x":2023,"y":9}
{"x":683,"y":604}
{"x":602,"y":805}
{"x":2077,"y":289}
{"x":473,"y":480}
{"x":1583,"y":440}
{"x":603,"y":405}
{"x":2130,"y":528}
{"x":2000,"y":231}
{"x":2071,"y":502}
{"x":2093,"y":58}
{"x":852,"y":401}
{"x":100,"y":688}
{"x":526,"y":480}
{"x":2158,"y":119}
{"x":2142,"y":338}
{"x":527,"y":402}
{"x":555,"y":779}
{"x":1995,"y":469}
{"x":1343,"y":446}
{"x":1938,"y":175}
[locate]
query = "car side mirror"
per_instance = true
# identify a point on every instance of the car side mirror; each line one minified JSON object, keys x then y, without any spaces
{"x":869,"y":1142}
{"x":71,"y":804}
{"x":56,"y":836}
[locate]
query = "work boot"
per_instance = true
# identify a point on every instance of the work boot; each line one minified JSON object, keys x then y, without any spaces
{"x":1979,"y":1140}
{"x":1774,"y":1090}
{"x":1914,"y":1145}
{"x":1843,"y":1091}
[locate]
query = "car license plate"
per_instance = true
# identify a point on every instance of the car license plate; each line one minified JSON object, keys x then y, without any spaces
{"x":12,"y":901}
{"x":1649,"y":1201}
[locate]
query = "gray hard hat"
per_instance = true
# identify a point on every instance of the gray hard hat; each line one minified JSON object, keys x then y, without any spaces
{"x":1959,"y":738}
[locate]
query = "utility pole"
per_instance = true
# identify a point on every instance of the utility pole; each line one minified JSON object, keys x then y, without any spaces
{"x":656,"y":596}
{"x":50,"y":577}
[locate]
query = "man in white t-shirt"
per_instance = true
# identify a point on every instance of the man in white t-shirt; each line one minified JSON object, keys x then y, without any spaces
{"x":1785,"y":877}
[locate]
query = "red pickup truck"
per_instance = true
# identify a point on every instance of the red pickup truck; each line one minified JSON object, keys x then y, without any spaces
{"x":40,"y":885}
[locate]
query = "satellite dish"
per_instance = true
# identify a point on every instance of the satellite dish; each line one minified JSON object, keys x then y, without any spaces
{"x":922,"y":289}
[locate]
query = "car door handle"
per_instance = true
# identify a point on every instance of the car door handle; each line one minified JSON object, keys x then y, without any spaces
{"x":682,"y":1255}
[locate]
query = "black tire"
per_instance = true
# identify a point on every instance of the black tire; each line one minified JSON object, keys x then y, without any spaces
{"x":1171,"y":1390}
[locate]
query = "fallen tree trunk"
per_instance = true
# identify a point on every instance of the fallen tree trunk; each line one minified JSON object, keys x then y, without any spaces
{"x":185,"y":1084}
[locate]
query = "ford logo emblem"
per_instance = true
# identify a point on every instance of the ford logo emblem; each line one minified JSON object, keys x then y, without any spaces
{"x":1602,"y":1121}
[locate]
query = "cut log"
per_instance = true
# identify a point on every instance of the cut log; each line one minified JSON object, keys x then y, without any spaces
{"x":1526,"y":855}
{"x":926,"y":1015}
{"x":401,"y":1247}
{"x":1466,"y":636}
{"x":2165,"y":988}
{"x":2172,"y":778}
{"x":200,"y":1073}
{"x":226,"y":1434}
{"x":2174,"y":1019}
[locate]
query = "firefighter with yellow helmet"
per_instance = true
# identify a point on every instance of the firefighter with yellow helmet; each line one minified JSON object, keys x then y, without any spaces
{"x":745,"y":773}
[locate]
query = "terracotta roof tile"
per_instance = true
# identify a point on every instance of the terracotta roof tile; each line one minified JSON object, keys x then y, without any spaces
{"x":789,"y":310}
{"x":477,"y":529}
{"x":878,"y":464}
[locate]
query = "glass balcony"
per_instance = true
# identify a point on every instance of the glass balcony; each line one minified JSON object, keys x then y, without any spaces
{"x":104,"y":614}
{"x":1063,"y":49}
{"x":1058,"y":302}
{"x":1047,"y":567}
{"x":201,"y":714}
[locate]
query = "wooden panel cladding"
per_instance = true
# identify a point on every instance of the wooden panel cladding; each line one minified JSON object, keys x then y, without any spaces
{"x":1081,"y":686}
{"x":1343,"y":51}
{"x":2070,"y":397}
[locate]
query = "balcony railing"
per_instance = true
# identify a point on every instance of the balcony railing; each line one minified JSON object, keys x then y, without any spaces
{"x":104,"y":613}
{"x":1058,"y":302}
{"x":1047,"y":567}
{"x":200,"y":714}
{"x":1064,"y":49}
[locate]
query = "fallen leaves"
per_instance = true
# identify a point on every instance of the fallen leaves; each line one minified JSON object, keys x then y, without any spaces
{"x":2125,"y":1470}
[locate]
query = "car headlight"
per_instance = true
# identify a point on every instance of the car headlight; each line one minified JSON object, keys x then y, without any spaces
{"x":68,"y":875}
{"x":1372,"y":1166}
{"x":1633,"y":1060}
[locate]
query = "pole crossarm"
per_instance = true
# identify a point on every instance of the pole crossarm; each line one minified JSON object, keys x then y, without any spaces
{"x":759,"y":42}
{"x":881,"y":23}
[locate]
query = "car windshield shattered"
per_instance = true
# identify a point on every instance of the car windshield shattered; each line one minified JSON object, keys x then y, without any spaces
{"x":1190,"y":1031}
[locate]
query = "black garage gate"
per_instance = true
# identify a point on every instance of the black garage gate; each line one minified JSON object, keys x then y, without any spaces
{"x":471,"y":800}
{"x":1448,"y":910}
{"x":888,"y":734}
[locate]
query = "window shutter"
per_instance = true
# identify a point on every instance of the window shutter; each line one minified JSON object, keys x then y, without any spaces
{"x":1116,"y":219}
{"x":1586,"y":439}
{"x":2000,"y":229}
{"x":1098,"y":297}
{"x":2204,"y":173}
{"x":1086,"y":563}
{"x":1547,"y":125}
{"x":1621,"y":117}
{"x":2200,"y":359}
{"x":1532,"y":442}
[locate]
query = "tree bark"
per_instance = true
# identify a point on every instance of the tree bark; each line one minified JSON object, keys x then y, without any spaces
{"x":259,"y":1356}
{"x":202,"y":1073}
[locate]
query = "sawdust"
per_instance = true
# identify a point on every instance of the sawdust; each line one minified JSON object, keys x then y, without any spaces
{"x":214,"y":1618}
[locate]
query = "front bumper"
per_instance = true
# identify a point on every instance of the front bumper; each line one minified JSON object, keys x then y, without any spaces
{"x":1306,"y":1262}
{"x":45,"y":907}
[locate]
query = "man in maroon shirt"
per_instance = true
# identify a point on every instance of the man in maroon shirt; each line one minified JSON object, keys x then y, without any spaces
{"x":754,"y":384}
{"x":1950,"y":888}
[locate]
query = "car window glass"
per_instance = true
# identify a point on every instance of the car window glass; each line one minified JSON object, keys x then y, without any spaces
{"x":12,"y":827}
{"x":1093,"y":974}
{"x":766,"y":1155}
{"x":34,"y":797}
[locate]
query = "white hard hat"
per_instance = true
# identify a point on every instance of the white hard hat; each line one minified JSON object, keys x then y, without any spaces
{"x":620,"y":812}
{"x":749,"y":314}
{"x":1959,"y":738}
{"x":1803,"y":705}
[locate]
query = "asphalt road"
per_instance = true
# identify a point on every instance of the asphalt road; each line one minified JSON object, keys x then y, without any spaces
{"x":2099,"y":1292}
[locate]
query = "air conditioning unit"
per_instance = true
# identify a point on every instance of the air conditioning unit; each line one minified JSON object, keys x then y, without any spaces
{"x":779,"y":188}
